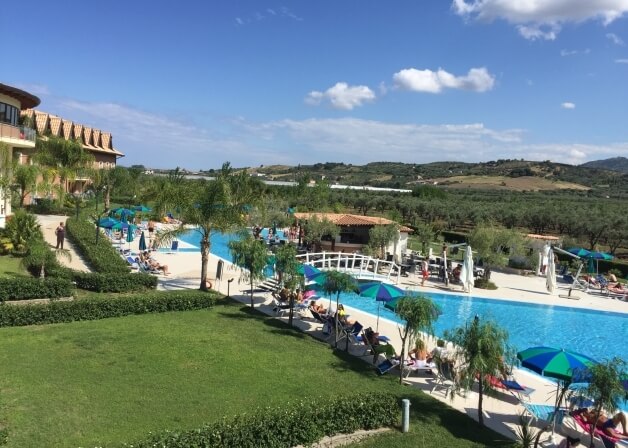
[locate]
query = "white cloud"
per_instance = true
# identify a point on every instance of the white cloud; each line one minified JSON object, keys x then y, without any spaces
{"x":477,"y":80}
{"x":568,"y":52}
{"x":342,"y":96}
{"x":615,"y":39}
{"x":239,"y":21}
{"x":621,"y":61}
{"x":536,"y":19}
{"x":568,"y":105}
{"x":268,"y":14}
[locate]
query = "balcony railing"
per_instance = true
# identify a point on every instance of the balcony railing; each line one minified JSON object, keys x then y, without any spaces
{"x":17,"y":132}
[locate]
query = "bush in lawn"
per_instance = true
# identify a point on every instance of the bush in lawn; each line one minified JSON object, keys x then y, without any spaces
{"x":301,"y":423}
{"x":102,"y":308}
{"x":114,"y":282}
{"x":103,"y":257}
{"x":34,"y":288}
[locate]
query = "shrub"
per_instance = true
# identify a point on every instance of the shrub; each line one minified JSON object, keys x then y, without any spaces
{"x":114,"y":282}
{"x":483,"y":283}
{"x":33,"y":288}
{"x":520,"y":262}
{"x":102,"y":308}
{"x":300,"y":423}
{"x":103,"y":257}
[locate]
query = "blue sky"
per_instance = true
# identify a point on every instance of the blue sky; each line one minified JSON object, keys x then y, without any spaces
{"x":195,"y":83}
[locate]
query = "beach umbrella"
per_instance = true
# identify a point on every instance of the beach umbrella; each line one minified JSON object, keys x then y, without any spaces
{"x":121,"y":210}
{"x":119,"y":225}
{"x":382,"y":292}
{"x":550,"y":273}
{"x":142,"y":208}
{"x":578,"y":251}
{"x":142,"y":244}
{"x":129,"y":235}
{"x":561,"y":364}
{"x":597,"y":256}
{"x":308,"y":271}
{"x":107,"y":223}
{"x":554,"y":362}
{"x":466,"y":274}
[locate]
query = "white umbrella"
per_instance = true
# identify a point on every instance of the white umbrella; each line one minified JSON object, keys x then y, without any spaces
{"x":550,"y":272}
{"x":466,"y":274}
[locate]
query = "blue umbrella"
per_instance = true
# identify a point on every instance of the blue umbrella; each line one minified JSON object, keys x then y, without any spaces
{"x":142,"y":208}
{"x":142,"y":245}
{"x":579,"y":251}
{"x":555,"y":362}
{"x":120,"y":225}
{"x":129,"y":235}
{"x":107,"y":223}
{"x":309,"y":271}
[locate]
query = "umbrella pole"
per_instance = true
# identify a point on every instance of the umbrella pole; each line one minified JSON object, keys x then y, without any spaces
{"x":379,"y":304}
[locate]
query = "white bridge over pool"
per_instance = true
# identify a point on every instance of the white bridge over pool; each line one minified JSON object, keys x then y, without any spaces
{"x":360,"y":266}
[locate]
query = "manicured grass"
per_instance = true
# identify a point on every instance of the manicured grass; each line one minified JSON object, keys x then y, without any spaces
{"x":10,"y":267}
{"x":112,"y":381}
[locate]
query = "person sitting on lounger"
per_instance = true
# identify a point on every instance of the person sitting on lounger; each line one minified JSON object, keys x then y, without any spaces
{"x":607,"y":425}
{"x":317,"y":308}
{"x":153,"y":264}
{"x":419,"y":352}
{"x":342,"y":316}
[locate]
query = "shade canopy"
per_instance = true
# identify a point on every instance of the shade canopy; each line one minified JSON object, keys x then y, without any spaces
{"x":381,"y":291}
{"x":122,"y":211}
{"x":550,"y":272}
{"x":599,"y":256}
{"x":142,"y":243}
{"x":129,"y":234}
{"x":107,"y":223}
{"x":142,"y":208}
{"x":554,"y":362}
{"x":578,"y":251}
{"x":308,"y":271}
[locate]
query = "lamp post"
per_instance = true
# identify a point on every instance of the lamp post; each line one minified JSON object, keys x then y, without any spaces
{"x":229,"y":288}
{"x":77,"y":196}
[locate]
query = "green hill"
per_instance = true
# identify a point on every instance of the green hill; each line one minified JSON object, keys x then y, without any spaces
{"x":614,"y":164}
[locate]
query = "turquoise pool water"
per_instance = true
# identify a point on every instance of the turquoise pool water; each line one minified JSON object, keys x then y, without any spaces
{"x":595,"y":333}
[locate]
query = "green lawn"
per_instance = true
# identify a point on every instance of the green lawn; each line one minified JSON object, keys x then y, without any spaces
{"x":114,"y":380}
{"x":10,"y":267}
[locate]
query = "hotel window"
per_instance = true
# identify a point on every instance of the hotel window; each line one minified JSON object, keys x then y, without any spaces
{"x":8,"y":114}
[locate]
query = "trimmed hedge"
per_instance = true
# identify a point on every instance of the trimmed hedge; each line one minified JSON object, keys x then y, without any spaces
{"x":102,"y":308}
{"x":130,"y":282}
{"x":34,"y":288}
{"x":103,"y":257}
{"x":301,"y":423}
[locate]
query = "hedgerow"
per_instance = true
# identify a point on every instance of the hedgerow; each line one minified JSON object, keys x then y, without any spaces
{"x":102,"y":308}
{"x":102,"y":256}
{"x":34,"y":288}
{"x":130,"y":282}
{"x":300,"y":423}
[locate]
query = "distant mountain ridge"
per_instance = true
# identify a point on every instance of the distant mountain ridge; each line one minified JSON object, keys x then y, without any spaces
{"x":619,"y":164}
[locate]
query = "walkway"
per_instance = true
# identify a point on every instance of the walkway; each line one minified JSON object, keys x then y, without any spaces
{"x":48,"y":225}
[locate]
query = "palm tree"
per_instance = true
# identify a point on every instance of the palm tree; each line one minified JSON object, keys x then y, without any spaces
{"x":287,"y":268}
{"x":250,"y":254}
{"x":22,"y":228}
{"x":483,"y":347}
{"x":419,"y":314}
{"x":218,"y":205}
{"x":39,"y":256}
{"x":337,"y":282}
{"x":67,"y":157}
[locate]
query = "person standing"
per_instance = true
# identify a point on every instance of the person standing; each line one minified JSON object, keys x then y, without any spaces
{"x":60,"y":232}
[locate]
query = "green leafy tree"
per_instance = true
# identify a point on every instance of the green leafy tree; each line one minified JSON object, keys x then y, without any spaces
{"x":250,"y":254}
{"x":287,"y":268}
{"x":218,"y":205}
{"x":419,"y":314}
{"x":425,"y":234}
{"x":381,"y":236}
{"x":24,"y":180}
{"x":493,"y":244}
{"x":337,"y":282}
{"x":606,"y":388}
{"x":317,"y":229}
{"x":482,"y":346}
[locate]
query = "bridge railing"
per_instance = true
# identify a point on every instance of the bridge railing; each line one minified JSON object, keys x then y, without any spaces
{"x":361,"y":266}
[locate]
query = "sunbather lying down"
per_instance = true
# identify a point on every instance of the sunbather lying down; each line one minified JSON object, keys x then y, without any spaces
{"x":608,"y":425}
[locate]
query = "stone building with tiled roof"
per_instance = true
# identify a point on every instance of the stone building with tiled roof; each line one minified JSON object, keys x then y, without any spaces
{"x":354,"y":232}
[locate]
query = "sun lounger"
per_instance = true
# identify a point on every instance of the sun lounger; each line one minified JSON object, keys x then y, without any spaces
{"x":444,"y":376}
{"x":607,"y":440}
{"x":418,"y":366}
{"x":512,"y":386}
{"x":280,"y":307}
{"x":323,"y":319}
{"x":543,"y":412}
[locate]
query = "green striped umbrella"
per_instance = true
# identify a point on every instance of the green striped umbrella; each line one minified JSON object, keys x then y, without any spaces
{"x":382,"y":292}
{"x":554,"y":362}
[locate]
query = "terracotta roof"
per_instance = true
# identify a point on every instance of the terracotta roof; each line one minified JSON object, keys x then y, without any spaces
{"x":345,"y":219}
{"x":542,"y":237}
{"x":92,"y":139}
{"x":27,"y":100}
